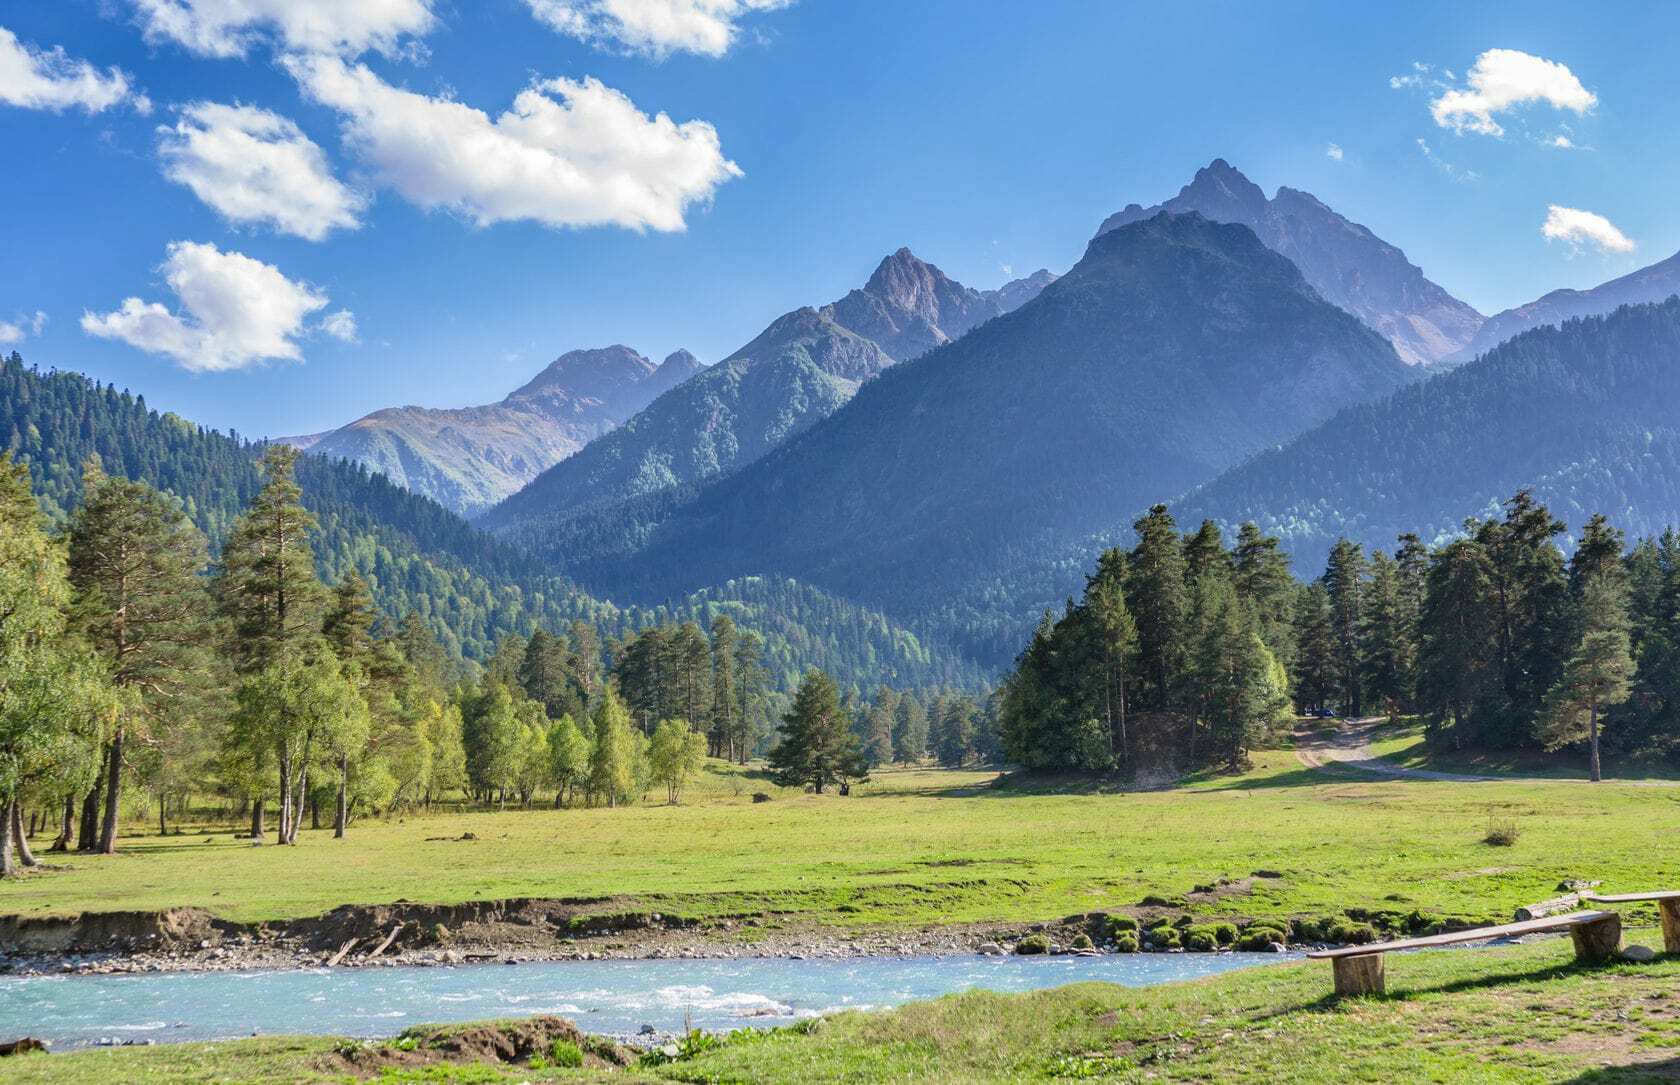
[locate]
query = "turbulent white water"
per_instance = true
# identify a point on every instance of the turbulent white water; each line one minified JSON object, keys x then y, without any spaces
{"x":612,"y":997}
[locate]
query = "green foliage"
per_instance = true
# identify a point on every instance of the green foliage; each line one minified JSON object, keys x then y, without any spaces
{"x":817,"y":747}
{"x":565,"y":1053}
{"x":1033,"y":945}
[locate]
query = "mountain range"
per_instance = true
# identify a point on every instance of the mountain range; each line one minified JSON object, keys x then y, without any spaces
{"x":1657,"y":282}
{"x":1174,"y":349}
{"x":468,"y":458}
{"x":799,"y":370}
{"x":1345,"y":262}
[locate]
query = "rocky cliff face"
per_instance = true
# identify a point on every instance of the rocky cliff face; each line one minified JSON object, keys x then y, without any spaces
{"x":1348,"y":265}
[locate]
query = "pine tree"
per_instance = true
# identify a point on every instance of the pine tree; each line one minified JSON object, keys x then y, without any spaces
{"x":1105,"y":598}
{"x":752,"y":683}
{"x":135,"y":564}
{"x":910,"y":730}
{"x":1458,"y":656}
{"x":817,"y":747}
{"x":1159,"y":602}
{"x":1599,"y":673}
{"x":726,"y":700}
{"x":958,"y":730}
{"x":1387,"y":654}
{"x":1344,"y":581}
{"x":1263,"y":581}
{"x":1315,"y":649}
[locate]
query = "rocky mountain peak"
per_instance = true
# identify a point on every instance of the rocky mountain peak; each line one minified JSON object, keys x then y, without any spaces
{"x":602,"y":374}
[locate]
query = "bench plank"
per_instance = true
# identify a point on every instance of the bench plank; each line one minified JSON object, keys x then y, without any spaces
{"x":1668,"y":906}
{"x":1475,"y":934}
{"x":1630,"y":898}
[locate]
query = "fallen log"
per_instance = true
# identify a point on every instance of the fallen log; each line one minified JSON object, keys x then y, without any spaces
{"x":1567,"y":903}
{"x":342,"y":950}
{"x":385,"y":945}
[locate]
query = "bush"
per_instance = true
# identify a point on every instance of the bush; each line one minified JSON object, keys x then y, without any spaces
{"x":1224,"y":933}
{"x":759,"y":796}
{"x":1259,"y":939}
{"x":1354,"y":934}
{"x":1501,"y":832}
{"x":1164,"y":937}
{"x":1033,"y":945}
{"x":1312,"y":930}
{"x":1155,"y":900}
{"x":1126,"y":942}
{"x":1115,"y":925}
{"x":1081,"y":941}
{"x":565,"y":1053}
{"x":1185,"y":922}
{"x":1200,"y":940}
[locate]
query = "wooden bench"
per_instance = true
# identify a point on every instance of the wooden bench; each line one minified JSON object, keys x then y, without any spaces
{"x":1668,"y":907}
{"x":1359,"y":969}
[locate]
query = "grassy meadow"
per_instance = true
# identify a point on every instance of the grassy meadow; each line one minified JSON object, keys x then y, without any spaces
{"x":917,"y":847}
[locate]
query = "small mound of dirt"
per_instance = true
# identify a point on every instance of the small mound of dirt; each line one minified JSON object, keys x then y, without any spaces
{"x":494,"y":1042}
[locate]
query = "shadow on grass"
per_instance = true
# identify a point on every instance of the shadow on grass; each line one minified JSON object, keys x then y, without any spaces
{"x":1331,"y":1001}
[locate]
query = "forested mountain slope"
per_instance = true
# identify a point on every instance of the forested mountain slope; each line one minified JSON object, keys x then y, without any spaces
{"x":469,"y":458}
{"x":417,"y":556}
{"x":799,"y":370}
{"x":1659,"y":282}
{"x":1345,"y":262}
{"x":1586,"y":415}
{"x":1174,"y":349}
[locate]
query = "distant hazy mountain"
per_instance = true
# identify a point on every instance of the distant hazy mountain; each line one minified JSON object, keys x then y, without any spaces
{"x":1659,"y":282}
{"x":1174,"y":349}
{"x":471,"y":457}
{"x":1012,"y":295}
{"x":798,"y":371}
{"x":1346,"y":263}
{"x":1586,"y":414}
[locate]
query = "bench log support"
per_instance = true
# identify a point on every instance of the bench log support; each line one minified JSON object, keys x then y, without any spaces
{"x":1357,"y":976}
{"x":1598,"y":941}
{"x":1670,"y":912}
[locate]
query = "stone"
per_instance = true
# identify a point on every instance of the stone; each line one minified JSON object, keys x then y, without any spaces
{"x":1639,"y":953}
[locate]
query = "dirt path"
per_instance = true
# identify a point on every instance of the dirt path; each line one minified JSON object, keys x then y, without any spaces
{"x":1350,"y":745}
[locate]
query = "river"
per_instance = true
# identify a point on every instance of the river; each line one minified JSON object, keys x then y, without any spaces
{"x":609,"y":997}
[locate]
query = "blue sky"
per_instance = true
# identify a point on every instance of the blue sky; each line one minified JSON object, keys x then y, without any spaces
{"x":989,"y":137}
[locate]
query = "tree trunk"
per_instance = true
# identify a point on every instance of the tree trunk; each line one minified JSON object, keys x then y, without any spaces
{"x":67,"y":832}
{"x":113,"y":795}
{"x":7,"y":869}
{"x":257,"y":830}
{"x":25,"y":856}
{"x":1592,"y":732}
{"x":89,"y":837}
{"x":341,"y":819}
{"x":163,"y":813}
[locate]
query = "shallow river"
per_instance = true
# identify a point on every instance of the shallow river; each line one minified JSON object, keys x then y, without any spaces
{"x":612,"y":997}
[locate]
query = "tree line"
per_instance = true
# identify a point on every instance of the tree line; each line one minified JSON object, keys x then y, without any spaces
{"x":1185,"y":652}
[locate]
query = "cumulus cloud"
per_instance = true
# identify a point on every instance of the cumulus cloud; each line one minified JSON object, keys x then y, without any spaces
{"x":35,"y":78}
{"x":228,"y":28}
{"x":1333,"y":152}
{"x":233,"y":312}
{"x":21,"y":329}
{"x":567,"y":153}
{"x":1580,"y":228}
{"x":255,"y":166}
{"x":1502,"y":80}
{"x":655,"y":28}
{"x":341,"y":325}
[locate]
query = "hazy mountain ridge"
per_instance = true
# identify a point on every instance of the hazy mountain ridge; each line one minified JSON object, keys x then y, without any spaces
{"x":1174,"y":349}
{"x":467,"y":458}
{"x":1584,"y":414}
{"x":799,"y":370}
{"x":1345,"y":262}
{"x":1658,"y":282}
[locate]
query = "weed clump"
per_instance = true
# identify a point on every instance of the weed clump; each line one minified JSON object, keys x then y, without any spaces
{"x":1501,"y":833}
{"x":1032,"y":945}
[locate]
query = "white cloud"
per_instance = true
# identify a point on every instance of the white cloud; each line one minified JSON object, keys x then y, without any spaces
{"x":1562,"y":143}
{"x":234,"y":312}
{"x":24,"y":327}
{"x":1333,"y":152}
{"x":1461,"y":175}
{"x":228,"y":28}
{"x":1584,"y":228}
{"x":341,"y":325}
{"x":656,"y":28}
{"x":255,"y":166}
{"x":50,"y":79}
{"x":567,"y":154}
{"x":1503,"y":79}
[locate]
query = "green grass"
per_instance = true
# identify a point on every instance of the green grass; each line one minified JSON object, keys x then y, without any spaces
{"x":1404,"y":743}
{"x":1513,"y":1015}
{"x":922,"y":847}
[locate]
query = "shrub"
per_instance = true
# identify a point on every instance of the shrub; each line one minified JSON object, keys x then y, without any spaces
{"x":1081,"y":941}
{"x":565,"y":1053}
{"x":1164,"y":938}
{"x":1157,"y":923}
{"x":759,"y":796}
{"x":1185,"y":922}
{"x":1501,"y":832}
{"x":1312,"y":929}
{"x":1259,"y":939}
{"x":1224,"y":933}
{"x":1032,"y":945}
{"x":438,"y":935}
{"x":1126,"y":942}
{"x":1200,"y":940}
{"x":1354,"y":934}
{"x":1116,"y":925}
{"x":1155,"y":900}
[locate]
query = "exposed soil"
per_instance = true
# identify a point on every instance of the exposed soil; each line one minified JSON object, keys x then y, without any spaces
{"x":506,"y":1043}
{"x":191,"y":939}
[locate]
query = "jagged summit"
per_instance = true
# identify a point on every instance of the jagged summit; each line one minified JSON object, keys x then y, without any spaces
{"x":588,"y":374}
{"x":1346,"y":263}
